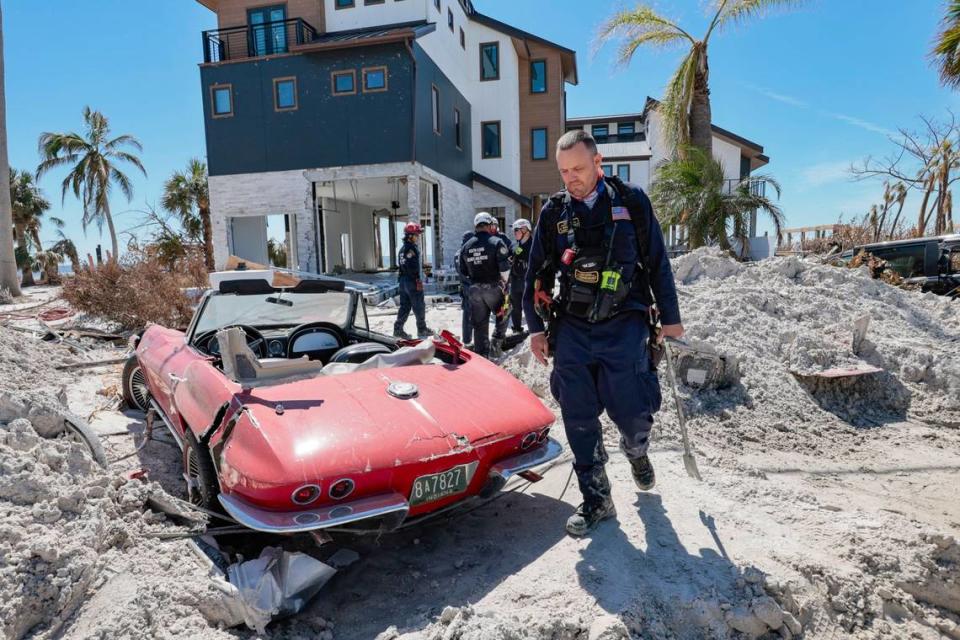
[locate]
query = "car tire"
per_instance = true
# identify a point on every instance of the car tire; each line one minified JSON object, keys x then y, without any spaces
{"x":79,"y":431}
{"x":202,"y":488}
{"x":135,"y":391}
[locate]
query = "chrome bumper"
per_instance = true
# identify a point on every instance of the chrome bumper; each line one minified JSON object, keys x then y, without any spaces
{"x":391,"y":504}
{"x":297,"y":521}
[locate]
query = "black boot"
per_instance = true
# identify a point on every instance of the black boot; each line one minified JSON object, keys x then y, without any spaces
{"x":398,"y":332}
{"x":589,"y":515}
{"x":643,"y":473}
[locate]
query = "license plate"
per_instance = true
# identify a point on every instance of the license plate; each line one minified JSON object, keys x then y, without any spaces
{"x":441,"y":485}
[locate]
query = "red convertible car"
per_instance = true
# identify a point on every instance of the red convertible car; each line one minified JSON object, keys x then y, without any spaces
{"x":292,"y":415}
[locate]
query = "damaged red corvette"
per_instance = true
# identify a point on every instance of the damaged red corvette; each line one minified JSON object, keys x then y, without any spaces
{"x":292,"y":415}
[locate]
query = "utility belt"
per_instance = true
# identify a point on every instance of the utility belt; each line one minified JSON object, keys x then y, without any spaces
{"x":591,"y":289}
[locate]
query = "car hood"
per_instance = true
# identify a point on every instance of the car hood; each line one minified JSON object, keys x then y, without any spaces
{"x":350,"y":423}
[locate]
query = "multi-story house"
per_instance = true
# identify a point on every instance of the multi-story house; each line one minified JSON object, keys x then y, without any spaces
{"x":632,"y":146}
{"x":351,"y":117}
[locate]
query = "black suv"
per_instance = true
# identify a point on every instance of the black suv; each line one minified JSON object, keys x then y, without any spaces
{"x":933,"y":263}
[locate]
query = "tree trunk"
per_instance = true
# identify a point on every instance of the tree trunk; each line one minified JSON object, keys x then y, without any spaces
{"x":26,"y":278}
{"x":922,"y":218}
{"x":115,"y":256}
{"x":896,"y":219}
{"x":207,"y":237}
{"x":701,"y":133}
{"x":8,"y":260}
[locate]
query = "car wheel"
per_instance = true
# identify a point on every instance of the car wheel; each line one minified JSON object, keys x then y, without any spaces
{"x":201,"y":477}
{"x":135,"y":391}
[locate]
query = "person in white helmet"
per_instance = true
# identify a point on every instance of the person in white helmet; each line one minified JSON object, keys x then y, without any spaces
{"x":523,"y":234}
{"x":484,"y":259}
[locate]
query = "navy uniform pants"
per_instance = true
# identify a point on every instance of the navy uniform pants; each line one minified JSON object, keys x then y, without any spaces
{"x":410,"y":298}
{"x":467,"y":323}
{"x":485,"y":299}
{"x":597,"y":367}
{"x":516,"y":305}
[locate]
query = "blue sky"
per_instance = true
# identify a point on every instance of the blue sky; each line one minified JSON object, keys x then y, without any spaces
{"x":819,"y":86}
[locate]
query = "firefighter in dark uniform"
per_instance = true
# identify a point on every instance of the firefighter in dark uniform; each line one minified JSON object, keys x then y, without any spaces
{"x":495,"y":230}
{"x":466,"y":323}
{"x":523,"y":234}
{"x":502,"y":317}
{"x":601,"y":241}
{"x":411,"y":284}
{"x":485,"y":260}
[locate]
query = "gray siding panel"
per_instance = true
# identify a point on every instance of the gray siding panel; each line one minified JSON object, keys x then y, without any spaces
{"x":440,"y":152}
{"x":325,"y":130}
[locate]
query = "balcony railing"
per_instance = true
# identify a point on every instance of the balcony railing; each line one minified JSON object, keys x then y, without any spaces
{"x":256,"y":40}
{"x":621,"y":137}
{"x":758,"y":187}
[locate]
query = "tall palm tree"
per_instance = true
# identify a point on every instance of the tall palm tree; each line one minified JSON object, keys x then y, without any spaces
{"x":686,"y":104}
{"x":186,"y":193}
{"x":691,"y":191}
{"x":93,"y":161}
{"x":28,"y":206}
{"x":65,"y":247}
{"x":8,"y":260}
{"x":946,"y":48}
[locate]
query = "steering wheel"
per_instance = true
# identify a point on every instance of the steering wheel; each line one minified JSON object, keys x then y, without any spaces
{"x":308,"y":327}
{"x":254,"y":340}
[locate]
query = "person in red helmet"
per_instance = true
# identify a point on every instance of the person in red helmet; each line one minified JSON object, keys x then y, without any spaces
{"x":411,"y":284}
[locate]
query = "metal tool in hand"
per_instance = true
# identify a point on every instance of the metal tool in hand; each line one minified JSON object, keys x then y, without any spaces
{"x":689,"y":462}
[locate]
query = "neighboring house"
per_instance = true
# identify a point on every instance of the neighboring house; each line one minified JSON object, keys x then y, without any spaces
{"x":352,"y":117}
{"x":632,"y":146}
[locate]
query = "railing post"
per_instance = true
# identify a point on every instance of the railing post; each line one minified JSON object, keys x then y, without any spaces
{"x":206,"y":47}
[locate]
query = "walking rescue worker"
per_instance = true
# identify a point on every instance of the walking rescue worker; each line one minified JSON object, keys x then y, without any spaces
{"x":411,"y":284}
{"x":485,"y":260}
{"x":602,"y":237}
{"x":523,"y":234}
{"x":466,"y":323}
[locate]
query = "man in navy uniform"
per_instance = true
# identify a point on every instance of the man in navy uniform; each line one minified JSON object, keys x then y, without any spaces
{"x":411,"y":284}
{"x":485,"y":260}
{"x":601,"y":238}
{"x":523,"y":234}
{"x":466,"y":324}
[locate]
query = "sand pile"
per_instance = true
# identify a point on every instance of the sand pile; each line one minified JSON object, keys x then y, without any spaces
{"x":69,"y":529}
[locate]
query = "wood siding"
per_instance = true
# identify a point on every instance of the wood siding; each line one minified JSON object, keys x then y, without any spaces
{"x":537,"y":111}
{"x":233,"y":13}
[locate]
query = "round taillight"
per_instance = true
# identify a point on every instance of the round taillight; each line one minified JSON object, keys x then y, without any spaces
{"x":528,"y":440}
{"x":341,"y":489}
{"x":542,"y":436}
{"x":306,"y":494}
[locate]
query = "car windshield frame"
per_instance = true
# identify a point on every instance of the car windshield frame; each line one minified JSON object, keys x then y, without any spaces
{"x":259,"y":313}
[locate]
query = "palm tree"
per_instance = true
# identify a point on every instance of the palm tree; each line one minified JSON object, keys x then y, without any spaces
{"x":65,"y":247}
{"x":946,"y":48}
{"x":8,"y":260}
{"x":186,"y":193}
{"x":690,"y":191}
{"x":28,"y":206}
{"x":92,"y":159}
{"x":686,"y":105}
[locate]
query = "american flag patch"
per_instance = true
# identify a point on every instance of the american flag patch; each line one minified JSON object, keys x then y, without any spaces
{"x":621,"y":213}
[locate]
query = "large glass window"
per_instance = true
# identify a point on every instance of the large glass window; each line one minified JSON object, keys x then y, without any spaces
{"x":450,"y":18}
{"x":600,"y":132}
{"x":490,"y":61}
{"x":344,"y":4}
{"x":607,"y":169}
{"x":538,"y":142}
{"x":268,"y":31}
{"x":456,"y":125}
{"x":623,"y":172}
{"x":221,"y":99}
{"x":344,"y":82}
{"x":490,"y":137}
{"x":285,"y":94}
{"x":538,"y":76}
{"x":625,"y":130}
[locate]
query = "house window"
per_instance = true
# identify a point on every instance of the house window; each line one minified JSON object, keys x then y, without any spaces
{"x":221,"y":99}
{"x":538,"y":76}
{"x":600,"y":132}
{"x":344,"y":4}
{"x":607,"y":169}
{"x":268,"y":32}
{"x":626,"y":130}
{"x":456,"y":127}
{"x":538,"y":141}
{"x":623,"y":172}
{"x":463,"y":39}
{"x":366,"y":2}
{"x":490,"y":135}
{"x":344,"y":82}
{"x":435,"y":102}
{"x":490,"y":61}
{"x":450,"y":19}
{"x":284,"y":94}
{"x":374,"y":79}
